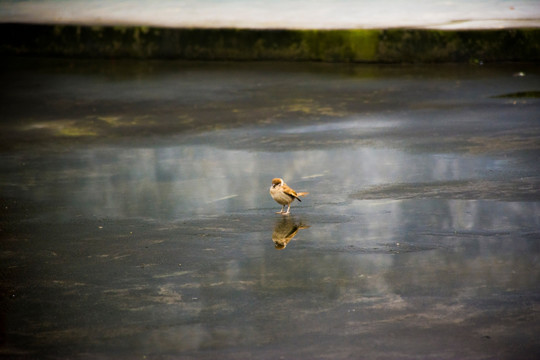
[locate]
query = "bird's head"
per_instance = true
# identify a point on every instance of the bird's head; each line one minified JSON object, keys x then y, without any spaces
{"x":277,"y":182}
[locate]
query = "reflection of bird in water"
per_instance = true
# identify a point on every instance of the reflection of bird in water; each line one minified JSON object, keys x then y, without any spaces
{"x":284,"y":231}
{"x":284,"y":195}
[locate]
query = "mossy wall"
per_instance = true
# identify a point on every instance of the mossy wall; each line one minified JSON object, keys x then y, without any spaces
{"x":459,"y":46}
{"x":391,"y":45}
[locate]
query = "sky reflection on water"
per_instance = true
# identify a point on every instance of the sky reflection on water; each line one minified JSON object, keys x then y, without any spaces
{"x":184,"y":181}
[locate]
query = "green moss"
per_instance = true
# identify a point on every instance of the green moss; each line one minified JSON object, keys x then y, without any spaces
{"x":401,"y":45}
{"x":339,"y":45}
{"x":76,"y":132}
{"x":392,"y":45}
{"x":57,"y":30}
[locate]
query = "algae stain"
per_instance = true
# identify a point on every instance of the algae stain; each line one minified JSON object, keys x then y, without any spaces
{"x":111,"y":120}
{"x":340,"y":45}
{"x":521,"y":94}
{"x":478,"y":145}
{"x":73,"y":131}
{"x":312,"y":107}
{"x":63,"y":128}
{"x":185,"y":120}
{"x":363,"y":44}
{"x":120,"y":29}
{"x":57,"y":30}
{"x":305,"y":106}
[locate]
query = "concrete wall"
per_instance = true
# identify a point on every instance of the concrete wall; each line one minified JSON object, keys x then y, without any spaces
{"x":385,"y":46}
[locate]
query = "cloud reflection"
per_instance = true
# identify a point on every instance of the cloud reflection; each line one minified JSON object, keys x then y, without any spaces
{"x":197,"y":180}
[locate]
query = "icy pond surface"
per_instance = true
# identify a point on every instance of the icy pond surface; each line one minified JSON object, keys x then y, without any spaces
{"x":136,"y":220}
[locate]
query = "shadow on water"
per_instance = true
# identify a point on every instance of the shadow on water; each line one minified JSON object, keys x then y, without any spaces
{"x":422,"y":220}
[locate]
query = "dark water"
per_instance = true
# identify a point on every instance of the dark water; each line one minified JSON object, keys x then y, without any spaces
{"x":136,"y":220}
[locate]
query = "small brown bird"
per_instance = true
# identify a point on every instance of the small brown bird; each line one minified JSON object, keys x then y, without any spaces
{"x":284,"y":195}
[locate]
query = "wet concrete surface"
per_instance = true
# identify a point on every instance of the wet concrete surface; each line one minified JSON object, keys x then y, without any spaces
{"x":136,"y":220}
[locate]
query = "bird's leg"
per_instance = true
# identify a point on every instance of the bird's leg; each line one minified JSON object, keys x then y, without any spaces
{"x":281,"y":212}
{"x":288,"y":210}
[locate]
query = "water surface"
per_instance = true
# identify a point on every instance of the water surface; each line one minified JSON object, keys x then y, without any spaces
{"x":136,"y":219}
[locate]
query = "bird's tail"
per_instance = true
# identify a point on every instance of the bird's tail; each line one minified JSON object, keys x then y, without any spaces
{"x":302,"y":193}
{"x":297,"y":197}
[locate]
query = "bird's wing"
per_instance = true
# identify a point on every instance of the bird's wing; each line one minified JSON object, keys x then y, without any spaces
{"x":287,"y":190}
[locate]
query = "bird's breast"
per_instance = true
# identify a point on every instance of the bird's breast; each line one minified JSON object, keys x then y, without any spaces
{"x":280,"y":197}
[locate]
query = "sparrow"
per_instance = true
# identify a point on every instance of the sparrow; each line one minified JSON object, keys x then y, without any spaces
{"x":284,"y":195}
{"x":285,"y":230}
